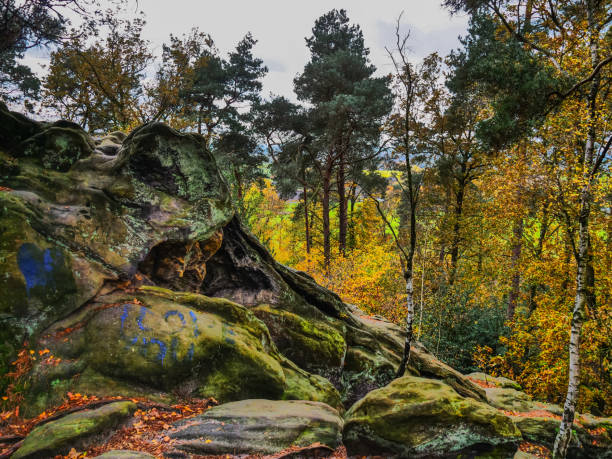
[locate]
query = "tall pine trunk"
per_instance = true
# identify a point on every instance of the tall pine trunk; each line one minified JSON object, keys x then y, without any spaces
{"x":515,"y":283}
{"x":342,"y":205}
{"x":306,"y":224}
{"x":325,"y":218}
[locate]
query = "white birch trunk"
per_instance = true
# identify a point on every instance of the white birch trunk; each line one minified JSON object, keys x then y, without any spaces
{"x":563,"y":439}
{"x":409,"y":323}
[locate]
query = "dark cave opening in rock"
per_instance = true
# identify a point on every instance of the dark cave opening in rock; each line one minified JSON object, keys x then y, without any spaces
{"x":232,"y":272}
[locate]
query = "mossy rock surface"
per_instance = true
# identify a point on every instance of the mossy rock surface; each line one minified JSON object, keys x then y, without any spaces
{"x":158,"y":343}
{"x":511,"y":400}
{"x":74,"y":430}
{"x":418,"y":417}
{"x":58,"y":147}
{"x":524,"y":455}
{"x":514,"y":400}
{"x":310,"y":343}
{"x":258,"y":427}
{"x":427,"y":365}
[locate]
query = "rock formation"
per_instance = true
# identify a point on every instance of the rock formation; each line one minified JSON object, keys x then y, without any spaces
{"x":123,"y":258}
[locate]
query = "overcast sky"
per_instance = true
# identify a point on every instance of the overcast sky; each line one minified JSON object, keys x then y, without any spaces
{"x":280,"y":26}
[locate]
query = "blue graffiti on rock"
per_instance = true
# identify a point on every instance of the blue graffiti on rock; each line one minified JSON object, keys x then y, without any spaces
{"x":145,"y":336}
{"x":39,"y":267}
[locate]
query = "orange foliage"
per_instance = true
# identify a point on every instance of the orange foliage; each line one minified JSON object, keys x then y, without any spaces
{"x":142,"y":435}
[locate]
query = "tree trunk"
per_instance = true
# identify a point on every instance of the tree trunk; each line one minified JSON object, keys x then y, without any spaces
{"x":325,"y":211}
{"x":582,"y":253}
{"x":454,"y":251}
{"x":342,"y":205}
{"x":306,"y":225}
{"x":515,"y":283}
{"x":239,"y":187}
{"x":351,"y":225}
{"x":538,"y":255}
{"x":423,"y":255}
{"x":408,"y":273}
{"x":409,"y":318}
{"x":565,"y":429}
{"x":200,"y":122}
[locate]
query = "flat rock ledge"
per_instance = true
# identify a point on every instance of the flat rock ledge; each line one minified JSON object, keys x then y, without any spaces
{"x":258,"y":427}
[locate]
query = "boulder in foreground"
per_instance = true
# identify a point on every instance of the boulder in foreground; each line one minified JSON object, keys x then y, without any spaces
{"x":73,"y":430}
{"x":259,"y":427}
{"x":155,"y":343}
{"x":417,"y":417}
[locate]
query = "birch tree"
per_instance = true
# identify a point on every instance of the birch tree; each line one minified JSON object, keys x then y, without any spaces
{"x":414,"y":87}
{"x":573,"y":38}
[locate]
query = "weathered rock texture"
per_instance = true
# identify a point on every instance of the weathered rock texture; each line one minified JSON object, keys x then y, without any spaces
{"x":96,"y":238}
{"x":417,"y":417}
{"x":72,"y":431}
{"x":259,"y":427}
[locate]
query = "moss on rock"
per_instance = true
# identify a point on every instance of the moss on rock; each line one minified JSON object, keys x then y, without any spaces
{"x":59,"y":436}
{"x":498,"y":381}
{"x":58,"y":147}
{"x":73,"y":218}
{"x":414,"y":417}
{"x":156,"y":342}
{"x":310,"y":343}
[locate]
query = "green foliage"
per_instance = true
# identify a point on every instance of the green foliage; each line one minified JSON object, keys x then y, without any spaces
{"x":25,"y":25}
{"x":518,"y":85}
{"x":218,"y":86}
{"x":454,"y":324}
{"x":17,"y":82}
{"x":240,"y":159}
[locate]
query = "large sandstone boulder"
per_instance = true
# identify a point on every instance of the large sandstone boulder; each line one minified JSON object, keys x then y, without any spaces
{"x":417,"y":417}
{"x":74,"y":219}
{"x":157,"y":343}
{"x":258,"y":427}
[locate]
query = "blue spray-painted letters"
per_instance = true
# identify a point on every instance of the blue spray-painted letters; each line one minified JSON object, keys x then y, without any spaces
{"x":145,"y":335}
